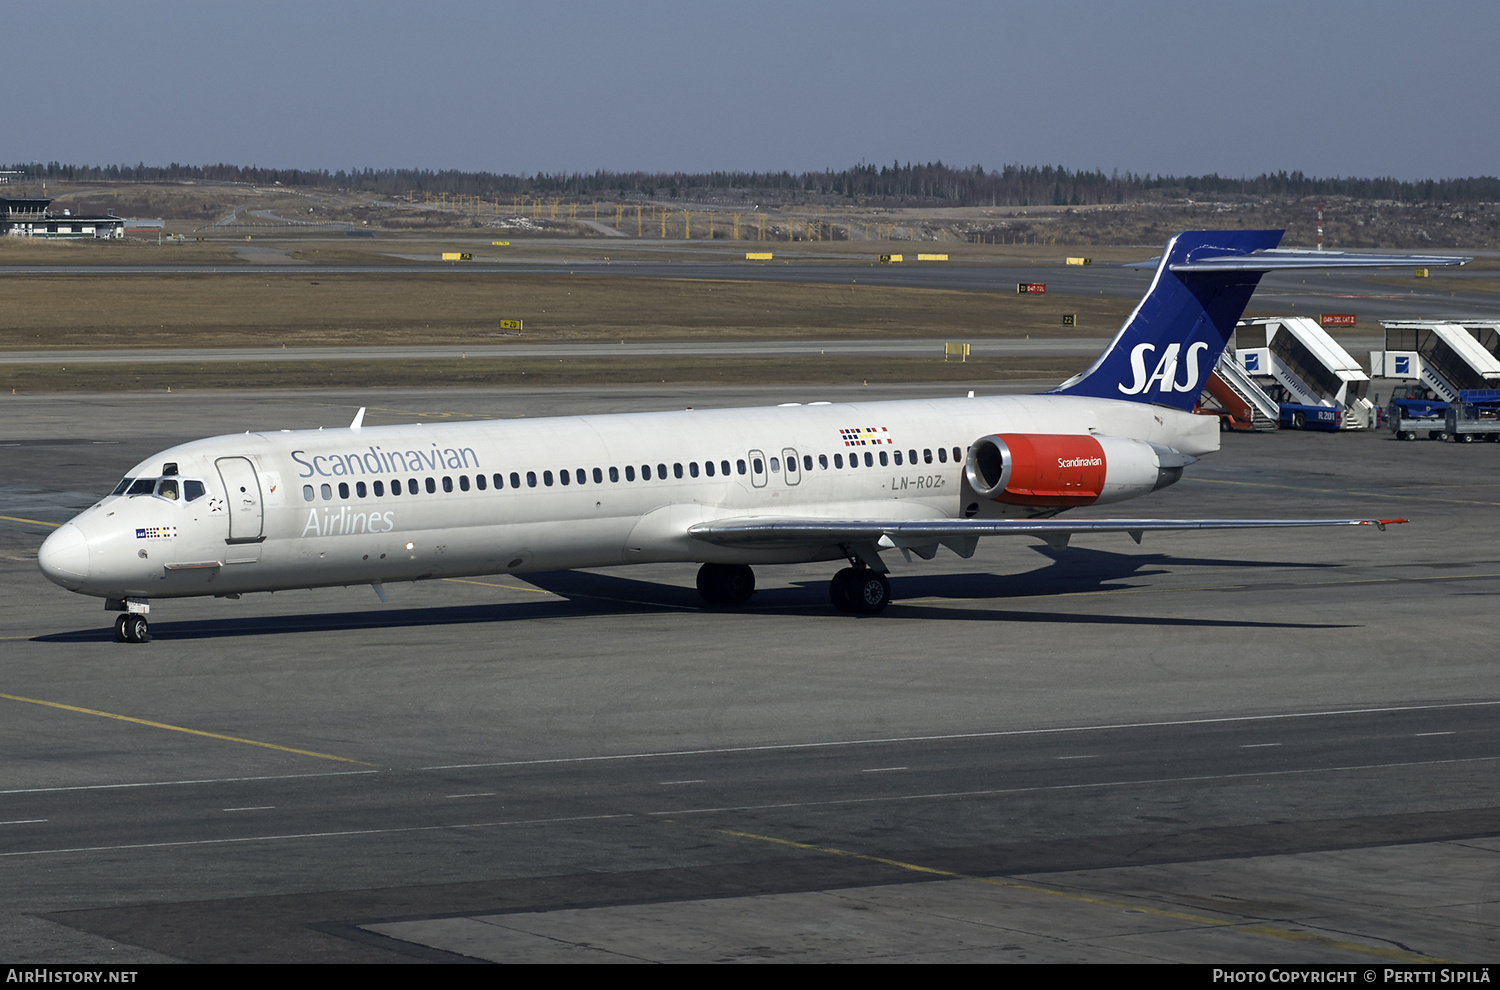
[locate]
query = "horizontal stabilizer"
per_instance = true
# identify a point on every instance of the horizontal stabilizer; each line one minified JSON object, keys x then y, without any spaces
{"x":1278,"y":259}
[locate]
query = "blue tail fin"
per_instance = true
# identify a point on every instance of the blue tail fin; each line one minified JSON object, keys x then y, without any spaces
{"x":1169,"y":345}
{"x":1166,"y":350}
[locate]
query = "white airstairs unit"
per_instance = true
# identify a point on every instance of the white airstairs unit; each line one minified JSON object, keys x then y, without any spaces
{"x":1448,"y":357}
{"x":1308,"y":364}
{"x":1230,"y":391}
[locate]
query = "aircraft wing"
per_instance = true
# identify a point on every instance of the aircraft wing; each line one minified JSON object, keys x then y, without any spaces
{"x":923,"y":536}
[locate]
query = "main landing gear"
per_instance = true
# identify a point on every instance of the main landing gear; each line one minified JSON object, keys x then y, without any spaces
{"x":859,"y":590}
{"x":132,"y":628}
{"x":726,"y":584}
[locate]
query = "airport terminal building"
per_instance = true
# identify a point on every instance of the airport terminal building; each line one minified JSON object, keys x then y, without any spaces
{"x":32,"y":218}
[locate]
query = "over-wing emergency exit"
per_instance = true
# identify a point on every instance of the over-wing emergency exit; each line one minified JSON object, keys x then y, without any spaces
{"x":727,"y":488}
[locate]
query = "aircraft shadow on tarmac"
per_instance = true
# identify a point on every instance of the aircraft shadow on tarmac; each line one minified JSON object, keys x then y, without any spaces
{"x":583,"y":593}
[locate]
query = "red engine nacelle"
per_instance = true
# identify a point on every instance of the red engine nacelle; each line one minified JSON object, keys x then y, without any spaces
{"x":1069,"y":469}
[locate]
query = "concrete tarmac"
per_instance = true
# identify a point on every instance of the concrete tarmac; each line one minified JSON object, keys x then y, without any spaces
{"x":1268,"y":746}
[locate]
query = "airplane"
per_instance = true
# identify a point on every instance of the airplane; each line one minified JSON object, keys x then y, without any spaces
{"x":725,"y":488}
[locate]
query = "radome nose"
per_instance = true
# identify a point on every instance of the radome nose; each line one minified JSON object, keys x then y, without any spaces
{"x":64,"y":557}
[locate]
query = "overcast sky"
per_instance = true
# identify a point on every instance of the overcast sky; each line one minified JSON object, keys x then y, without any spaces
{"x":1370,"y":88}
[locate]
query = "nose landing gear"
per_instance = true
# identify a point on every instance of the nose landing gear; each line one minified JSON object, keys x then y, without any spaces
{"x":130,"y":625}
{"x":132,"y":628}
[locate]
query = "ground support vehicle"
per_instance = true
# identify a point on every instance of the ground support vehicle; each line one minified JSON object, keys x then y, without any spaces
{"x":1295,"y":416}
{"x":1413,"y":410}
{"x":1313,"y":382}
{"x":1475,"y":416}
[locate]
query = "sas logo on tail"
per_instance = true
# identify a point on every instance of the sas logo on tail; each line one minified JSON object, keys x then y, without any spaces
{"x":1165,"y":374}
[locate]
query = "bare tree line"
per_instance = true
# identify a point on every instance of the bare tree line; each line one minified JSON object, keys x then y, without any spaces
{"x":931,"y":184}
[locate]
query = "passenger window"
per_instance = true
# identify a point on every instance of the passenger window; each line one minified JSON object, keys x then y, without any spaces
{"x":583,"y":476}
{"x":823,"y":461}
{"x":926,"y":455}
{"x":343,"y":489}
{"x":530,"y":479}
{"x":943,"y":454}
{"x":326,"y":491}
{"x":661,"y":471}
{"x":759,"y":468}
{"x":677,"y":470}
{"x":883,"y":461}
{"x":193,"y":490}
{"x":725,"y":466}
{"x":411,"y":485}
{"x":463,"y":482}
{"x":956,"y":457}
{"x":598,"y":476}
{"x":838,"y":461}
{"x":740,"y":464}
{"x":629,"y":472}
{"x":614,"y":473}
{"x":708,"y":468}
{"x":898,"y":458}
{"x":515,"y":480}
{"x":359,"y":489}
{"x":693,"y":468}
{"x":869,"y":461}
{"x":645,"y":472}
{"x":480,"y":483}
{"x":565,"y":477}
{"x":395,"y":486}
{"x":380,"y":489}
{"x":913,"y":455}
{"x":775,"y":465}
{"x":547,"y":478}
{"x":307,"y":493}
{"x":432,"y":486}
{"x":807,"y":462}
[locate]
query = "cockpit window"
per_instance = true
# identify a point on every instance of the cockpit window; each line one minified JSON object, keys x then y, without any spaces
{"x":122,"y":486}
{"x":167,"y":488}
{"x":142,"y":486}
{"x":193,"y":490}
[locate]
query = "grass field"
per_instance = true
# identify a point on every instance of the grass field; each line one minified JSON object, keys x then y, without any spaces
{"x":532,"y":372}
{"x":271,"y":306}
{"x":131,"y":251}
{"x":276,"y":308}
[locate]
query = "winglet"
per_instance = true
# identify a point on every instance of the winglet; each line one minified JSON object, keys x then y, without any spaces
{"x":359,"y":419}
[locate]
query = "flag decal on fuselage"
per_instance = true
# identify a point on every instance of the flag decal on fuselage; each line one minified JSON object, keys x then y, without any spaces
{"x":865,"y":436}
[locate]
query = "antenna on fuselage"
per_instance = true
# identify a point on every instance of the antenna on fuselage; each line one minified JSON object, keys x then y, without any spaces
{"x":359,"y":419}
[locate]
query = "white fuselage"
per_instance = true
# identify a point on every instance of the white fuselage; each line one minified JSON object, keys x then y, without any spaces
{"x":317,"y":507}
